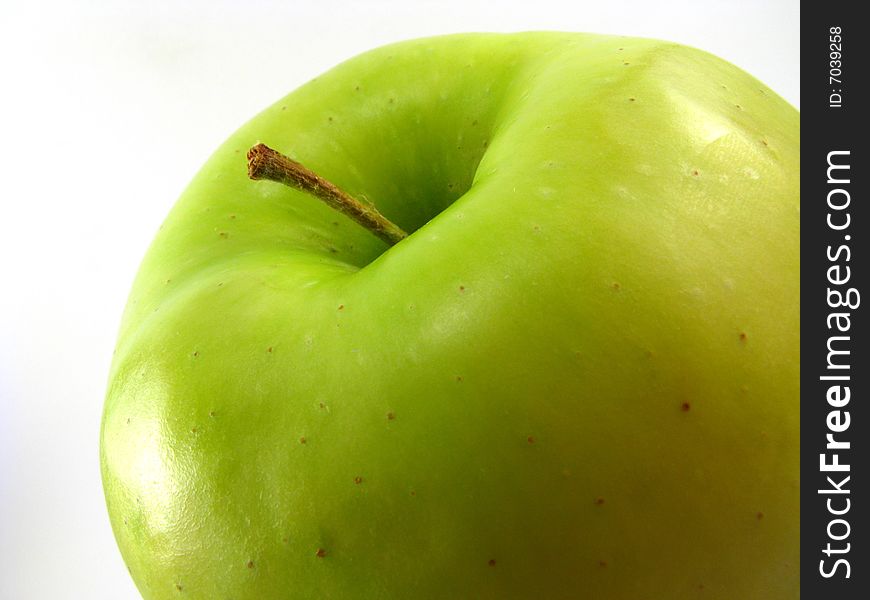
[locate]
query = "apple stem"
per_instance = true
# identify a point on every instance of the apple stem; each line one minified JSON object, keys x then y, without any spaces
{"x":266,"y":163}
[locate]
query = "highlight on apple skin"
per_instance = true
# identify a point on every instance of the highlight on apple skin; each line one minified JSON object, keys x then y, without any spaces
{"x":575,"y":377}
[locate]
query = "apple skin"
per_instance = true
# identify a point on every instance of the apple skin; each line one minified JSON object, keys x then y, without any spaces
{"x":577,"y":377}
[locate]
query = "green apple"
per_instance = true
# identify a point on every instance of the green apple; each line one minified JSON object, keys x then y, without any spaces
{"x":577,"y":377}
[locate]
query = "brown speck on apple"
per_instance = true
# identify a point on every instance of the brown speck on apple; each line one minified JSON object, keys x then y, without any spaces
{"x":616,"y":285}
{"x":461,"y":288}
{"x":599,"y":501}
{"x":685,"y":407}
{"x":695,"y":173}
{"x":459,"y":378}
{"x":179,"y":587}
{"x":765,"y":142}
{"x":195,"y":353}
{"x":224,"y":234}
{"x":250,"y":564}
{"x":390,"y":416}
{"x":413,"y":493}
{"x":743,"y":336}
{"x":632,"y":99}
{"x":269,"y":349}
{"x":320,"y":553}
{"x":531,"y":439}
{"x":302,"y":440}
{"x":357,"y":480}
{"x":491,"y":562}
{"x":341,"y":307}
{"x":128,"y":421}
{"x":626,"y":63}
{"x":211,"y":413}
{"x":602,"y":563}
{"x":759,"y":515}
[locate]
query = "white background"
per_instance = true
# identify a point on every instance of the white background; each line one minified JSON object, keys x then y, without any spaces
{"x":107,"y":108}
